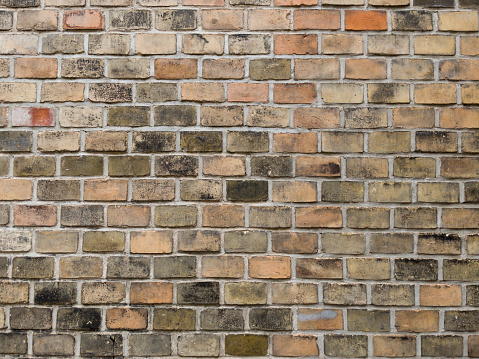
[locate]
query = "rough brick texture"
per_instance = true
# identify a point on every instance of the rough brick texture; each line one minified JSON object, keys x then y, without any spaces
{"x":239,"y":178}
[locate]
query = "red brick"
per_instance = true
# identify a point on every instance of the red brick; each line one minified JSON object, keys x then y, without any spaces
{"x":33,"y":116}
{"x":359,"y":20}
{"x":289,"y":44}
{"x":33,"y":216}
{"x":247,"y":92}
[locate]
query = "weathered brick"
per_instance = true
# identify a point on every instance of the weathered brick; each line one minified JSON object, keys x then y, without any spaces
{"x":346,"y":345}
{"x":174,"y":319}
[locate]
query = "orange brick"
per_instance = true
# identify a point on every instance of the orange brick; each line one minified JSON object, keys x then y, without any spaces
{"x":359,"y":20}
{"x":203,"y":92}
{"x":295,"y":44}
{"x":223,"y":216}
{"x":83,"y":20}
{"x":169,"y":69}
{"x":36,"y":68}
{"x":295,"y":345}
{"x":127,"y":318}
{"x":440,"y":295}
{"x":151,"y":293}
{"x":417,"y":321}
{"x":319,"y":217}
{"x":32,"y":216}
{"x":394,"y":346}
{"x":295,"y":142}
{"x":247,"y":92}
{"x":151,"y":242}
{"x":105,"y":190}
{"x":270,"y":267}
{"x":295,"y":93}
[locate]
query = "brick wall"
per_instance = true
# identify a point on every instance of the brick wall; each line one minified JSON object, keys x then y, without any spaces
{"x":211,"y":178}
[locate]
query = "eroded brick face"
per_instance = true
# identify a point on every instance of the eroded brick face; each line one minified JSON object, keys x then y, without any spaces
{"x":239,"y":178}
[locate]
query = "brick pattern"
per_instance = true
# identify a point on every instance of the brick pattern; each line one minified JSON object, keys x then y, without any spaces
{"x":212,"y":178}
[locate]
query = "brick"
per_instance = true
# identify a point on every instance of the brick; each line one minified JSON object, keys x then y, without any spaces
{"x":389,"y":142}
{"x":128,"y":267}
{"x":341,"y":44}
{"x":359,"y":20}
{"x":339,"y":142}
{"x":155,"y":44}
{"x":205,"y":293}
{"x":130,"y":20}
{"x":55,"y":293}
{"x":199,"y":345}
{"x":461,"y":320}
{"x":32,"y":267}
{"x":200,"y":190}
{"x":344,"y":293}
{"x":169,"y":319}
{"x":149,"y":344}
{"x":368,"y":268}
{"x":388,"y":93}
{"x":294,"y":293}
{"x":434,"y":3}
{"x":463,"y":270}
{"x":6,"y":20}
{"x":199,"y":241}
{"x":126,"y":318}
{"x":221,"y":116}
{"x":56,"y":242}
{"x":442,"y":345}
{"x":390,"y":192}
{"x":53,"y":344}
{"x":345,"y":345}
{"x":222,"y":267}
{"x":17,"y":44}
{"x":414,"y":20}
{"x":82,"y":68}
{"x":223,"y":68}
{"x":296,"y":191}
{"x":470,"y":192}
{"x":31,"y":216}
{"x":176,"y":20}
{"x":93,"y":345}
{"x":273,"y":267}
{"x":412,"y":69}
{"x":269,"y":19}
{"x":13,"y":343}
{"x":318,"y":166}
{"x":14,"y":292}
{"x":394,"y":345}
{"x":15,"y":241}
{"x":434,"y":45}
{"x":242,"y":92}
{"x":319,"y":319}
{"x":102,"y":292}
{"x":368,"y":167}
{"x":81,"y":166}
{"x":316,"y":69}
{"x":417,"y":321}
{"x":355,"y":69}
{"x":222,"y":319}
{"x":459,"y":218}
{"x":176,"y":69}
{"x":103,"y":241}
{"x":342,"y":93}
{"x":295,"y":345}
{"x":110,"y":92}
{"x":62,"y":43}
{"x":245,"y":242}
{"x":246,"y":44}
{"x":43,"y":20}
{"x":287,"y":242}
{"x":202,"y":92}
{"x":223,"y":216}
{"x":128,"y":68}
{"x":31,"y":318}
{"x":247,"y":141}
{"x":129,"y":166}
{"x":388,"y":45}
{"x":33,"y":166}
{"x":109,"y":44}
{"x":318,"y":217}
{"x":197,"y":44}
{"x":83,"y":20}
{"x":472,"y":342}
{"x":415,"y":269}
{"x":392,"y":294}
{"x":458,"y":21}
{"x":347,"y":243}
{"x":295,"y":93}
{"x":222,"y":19}
{"x":270,"y":217}
{"x":469,"y":45}
{"x":272,"y":166}
{"x":18,"y":92}
{"x":62,"y":92}
{"x":81,"y":267}
{"x":271,"y":319}
{"x":176,"y":216}
{"x":368,"y":320}
{"x":82,"y":216}
{"x":295,"y":44}
{"x":319,"y":268}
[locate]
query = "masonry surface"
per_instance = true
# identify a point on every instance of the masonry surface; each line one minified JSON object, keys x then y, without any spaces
{"x":236,"y":178}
